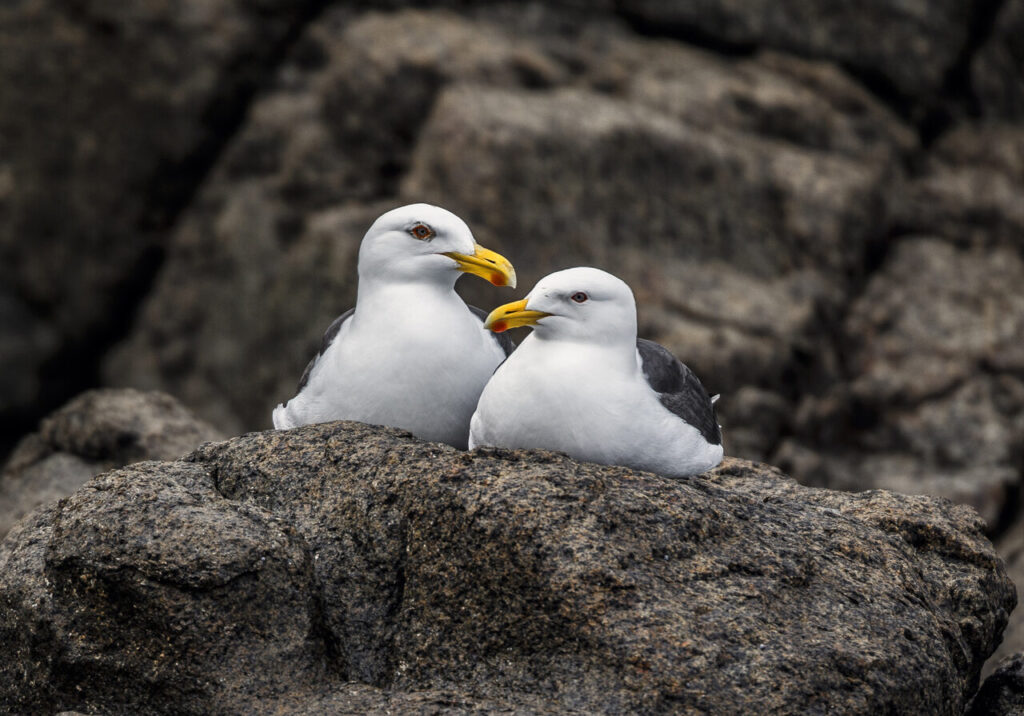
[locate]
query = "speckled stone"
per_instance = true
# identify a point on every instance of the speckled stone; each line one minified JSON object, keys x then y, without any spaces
{"x":95,"y":432}
{"x":350,"y":568}
{"x":1002,"y":693}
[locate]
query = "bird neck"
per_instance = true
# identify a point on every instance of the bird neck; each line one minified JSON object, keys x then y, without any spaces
{"x":385,"y":298}
{"x":619,"y":354}
{"x":374,"y":291}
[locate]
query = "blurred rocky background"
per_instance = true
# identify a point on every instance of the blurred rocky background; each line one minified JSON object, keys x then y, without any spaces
{"x":820,"y":207}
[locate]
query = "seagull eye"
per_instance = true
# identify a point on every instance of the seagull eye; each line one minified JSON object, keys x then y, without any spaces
{"x":422,"y":232}
{"x":579,"y":297}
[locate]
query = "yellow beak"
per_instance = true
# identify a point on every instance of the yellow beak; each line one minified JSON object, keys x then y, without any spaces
{"x":486,"y":264}
{"x":512,"y":315}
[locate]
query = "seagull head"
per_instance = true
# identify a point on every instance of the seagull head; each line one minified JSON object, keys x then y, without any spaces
{"x":579,"y":304}
{"x":425,"y":243}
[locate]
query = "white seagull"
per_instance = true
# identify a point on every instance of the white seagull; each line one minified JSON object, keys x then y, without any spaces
{"x":582,"y":383}
{"x":411,"y":354}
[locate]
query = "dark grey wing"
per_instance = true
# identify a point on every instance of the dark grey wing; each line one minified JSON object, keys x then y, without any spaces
{"x":679,"y":389}
{"x":503,"y":339}
{"x":329,"y":336}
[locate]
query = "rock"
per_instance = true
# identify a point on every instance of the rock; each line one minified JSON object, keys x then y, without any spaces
{"x":918,"y":330}
{"x":355,"y":698}
{"x":386,"y":70}
{"x":1011,"y":548}
{"x":987,"y":145}
{"x":346,"y":567}
{"x":1002,"y":693}
{"x":971,"y":206}
{"x":997,"y":70}
{"x":991,"y":490}
{"x":968,"y":191}
{"x":813,"y":105}
{"x":759,"y":420}
{"x":910,"y":46}
{"x":490,"y":153}
{"x":935,"y":400}
{"x":152,"y":569}
{"x":96,"y":431}
{"x":108,"y":118}
{"x":24,"y":340}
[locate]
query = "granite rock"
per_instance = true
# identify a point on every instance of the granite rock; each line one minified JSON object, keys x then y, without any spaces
{"x":97,"y":431}
{"x":1010,"y":547}
{"x":1002,"y":693}
{"x":934,"y":401}
{"x":492,"y":153}
{"x":997,"y":146}
{"x":345,"y":566}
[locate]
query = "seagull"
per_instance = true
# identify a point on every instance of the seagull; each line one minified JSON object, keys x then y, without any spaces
{"x":411,"y":354}
{"x":583,"y":384}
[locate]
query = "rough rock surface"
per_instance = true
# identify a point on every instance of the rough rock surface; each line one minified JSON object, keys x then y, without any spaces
{"x":1011,"y":548}
{"x":912,"y":44}
{"x":935,"y":402}
{"x":1002,"y":693}
{"x":108,"y":117}
{"x":584,"y":133}
{"x":969,"y":190}
{"x":97,"y":431}
{"x":349,"y":567}
{"x":998,"y":68}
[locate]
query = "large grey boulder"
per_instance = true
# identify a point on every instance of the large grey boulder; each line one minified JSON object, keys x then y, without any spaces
{"x":97,"y":431}
{"x":934,"y":402}
{"x":494,"y":154}
{"x":346,"y":567}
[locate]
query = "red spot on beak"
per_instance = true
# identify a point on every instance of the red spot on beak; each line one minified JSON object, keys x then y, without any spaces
{"x":499,"y":326}
{"x":497,"y":279}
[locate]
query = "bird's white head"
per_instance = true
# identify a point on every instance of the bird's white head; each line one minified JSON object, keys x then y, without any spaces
{"x":425,"y":243}
{"x":579,"y":304}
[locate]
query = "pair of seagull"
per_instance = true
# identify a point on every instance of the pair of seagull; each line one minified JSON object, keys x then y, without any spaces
{"x":413,"y":355}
